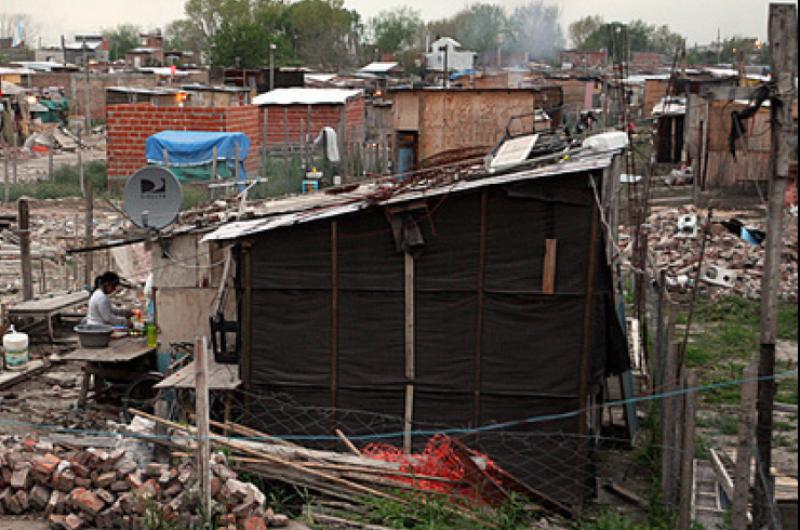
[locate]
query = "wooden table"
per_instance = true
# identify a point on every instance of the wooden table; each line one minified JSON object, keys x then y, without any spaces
{"x":47,"y":307}
{"x":123,"y":359}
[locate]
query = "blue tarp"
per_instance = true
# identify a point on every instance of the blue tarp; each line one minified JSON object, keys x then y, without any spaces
{"x":196,"y":148}
{"x":462,"y":73}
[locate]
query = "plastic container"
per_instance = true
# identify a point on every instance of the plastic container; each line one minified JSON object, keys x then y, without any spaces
{"x":94,"y":335}
{"x":15,"y":347}
{"x":151,"y":332}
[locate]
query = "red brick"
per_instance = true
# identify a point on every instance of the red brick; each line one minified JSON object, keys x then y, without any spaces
{"x":254,"y":522}
{"x":86,"y":501}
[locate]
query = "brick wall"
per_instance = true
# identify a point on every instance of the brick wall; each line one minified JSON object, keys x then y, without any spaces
{"x":286,"y":123}
{"x":130,"y":125}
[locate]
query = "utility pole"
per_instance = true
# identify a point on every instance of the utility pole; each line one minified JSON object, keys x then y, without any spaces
{"x":87,"y":88}
{"x":719,"y":48}
{"x":782,"y":33}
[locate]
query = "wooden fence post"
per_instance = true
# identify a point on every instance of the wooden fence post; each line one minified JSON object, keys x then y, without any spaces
{"x":6,"y":187}
{"x":201,"y":410}
{"x":744,"y":449}
{"x":23,"y":223}
{"x":79,"y":151}
{"x":14,"y":154}
{"x":89,"y":234}
{"x":668,"y":420}
{"x":687,"y":450}
{"x":409,"y":351}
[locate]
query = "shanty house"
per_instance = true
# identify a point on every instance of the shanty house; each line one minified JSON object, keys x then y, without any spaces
{"x":433,"y":124}
{"x":467,"y":304}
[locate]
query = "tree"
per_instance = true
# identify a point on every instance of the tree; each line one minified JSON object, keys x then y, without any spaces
{"x":482,"y":28}
{"x":121,"y":40}
{"x":323,"y":33}
{"x":395,"y":30}
{"x":9,"y":22}
{"x":580,"y":30}
{"x":184,"y":35}
{"x":536,"y":30}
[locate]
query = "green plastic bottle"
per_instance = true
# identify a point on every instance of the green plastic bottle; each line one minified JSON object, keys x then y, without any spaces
{"x":152,"y":334}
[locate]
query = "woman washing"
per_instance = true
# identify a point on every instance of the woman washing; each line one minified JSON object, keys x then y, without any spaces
{"x":101,"y":310}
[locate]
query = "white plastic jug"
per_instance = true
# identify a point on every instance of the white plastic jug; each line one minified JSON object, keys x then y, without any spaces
{"x":15,"y":346}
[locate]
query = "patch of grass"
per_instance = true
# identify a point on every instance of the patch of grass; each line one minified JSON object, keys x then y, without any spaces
{"x":787,"y":322}
{"x":65,"y":183}
{"x":724,"y":423}
{"x":433,"y":513}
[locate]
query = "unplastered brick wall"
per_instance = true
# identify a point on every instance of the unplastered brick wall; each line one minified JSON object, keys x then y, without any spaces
{"x":286,"y":123}
{"x":130,"y":125}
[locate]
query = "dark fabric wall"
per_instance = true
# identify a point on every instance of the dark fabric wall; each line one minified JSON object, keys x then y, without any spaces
{"x":530,"y":343}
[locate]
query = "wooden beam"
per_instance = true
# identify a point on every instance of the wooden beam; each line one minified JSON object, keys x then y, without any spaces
{"x":203,"y":431}
{"x":549,"y":273}
{"x":409,"y":351}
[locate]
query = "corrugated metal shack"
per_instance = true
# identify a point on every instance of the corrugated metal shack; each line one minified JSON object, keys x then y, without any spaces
{"x":466,"y":304}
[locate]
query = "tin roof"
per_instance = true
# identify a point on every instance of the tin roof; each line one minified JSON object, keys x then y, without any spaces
{"x":320,"y":205}
{"x":306,"y":96}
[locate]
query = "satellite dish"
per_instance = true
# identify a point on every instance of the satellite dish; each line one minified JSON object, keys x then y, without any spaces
{"x":152,"y":197}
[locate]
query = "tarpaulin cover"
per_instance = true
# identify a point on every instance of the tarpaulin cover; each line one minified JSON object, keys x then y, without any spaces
{"x":328,"y":305}
{"x":196,"y":148}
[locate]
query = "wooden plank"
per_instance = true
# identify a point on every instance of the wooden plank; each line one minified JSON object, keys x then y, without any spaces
{"x":50,"y":303}
{"x":121,"y":350}
{"x":220,"y":376}
{"x":722,"y":474}
{"x":549,"y":272}
{"x":10,"y":378}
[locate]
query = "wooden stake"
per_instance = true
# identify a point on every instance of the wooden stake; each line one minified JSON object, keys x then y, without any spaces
{"x":23,"y":222}
{"x":782,"y":35}
{"x":50,"y":149}
{"x":409,"y":351}
{"x":6,"y":187}
{"x":668,"y":441}
{"x":201,"y":406}
{"x":744,"y":449}
{"x":14,"y":154}
{"x":687,"y":452}
{"x":347,"y":442}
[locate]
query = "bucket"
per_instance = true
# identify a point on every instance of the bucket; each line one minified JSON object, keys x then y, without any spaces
{"x":15,"y":347}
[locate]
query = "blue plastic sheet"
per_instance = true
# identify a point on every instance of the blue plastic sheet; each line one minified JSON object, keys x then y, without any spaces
{"x":196,"y":148}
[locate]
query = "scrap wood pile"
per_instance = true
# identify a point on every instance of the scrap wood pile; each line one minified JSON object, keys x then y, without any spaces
{"x":77,"y":488}
{"x":471,"y":485}
{"x":734,"y":260}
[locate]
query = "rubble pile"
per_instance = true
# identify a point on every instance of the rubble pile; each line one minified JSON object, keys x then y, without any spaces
{"x":731,"y":266}
{"x":99,"y":488}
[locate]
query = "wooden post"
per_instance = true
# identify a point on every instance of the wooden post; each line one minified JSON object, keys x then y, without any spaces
{"x":264,"y":139}
{"x":14,"y":154}
{"x":80,"y":162}
{"x":285,"y":130}
{"x":668,"y":439}
{"x":89,"y":233}
{"x":214,"y":163}
{"x":201,"y":409}
{"x":744,"y":449}
{"x":687,"y":450}
{"x":409,"y":351}
{"x":309,"y":161}
{"x":659,"y":351}
{"x":23,"y":222}
{"x":6,"y":189}
{"x":165,"y":157}
{"x":782,"y":34}
{"x":42,"y":277}
{"x":50,"y":172}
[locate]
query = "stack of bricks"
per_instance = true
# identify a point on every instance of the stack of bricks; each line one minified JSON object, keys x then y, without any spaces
{"x":129,"y":126}
{"x":97,"y":488}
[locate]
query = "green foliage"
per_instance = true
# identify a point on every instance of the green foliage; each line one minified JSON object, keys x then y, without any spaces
{"x":581,"y":29}
{"x":637,"y":36}
{"x":395,"y":29}
{"x":121,"y":40}
{"x":482,"y":28}
{"x":535,"y":30}
{"x":65,"y":183}
{"x":183,"y":35}
{"x":430,"y":513}
{"x":323,"y":33}
{"x":730,"y":50}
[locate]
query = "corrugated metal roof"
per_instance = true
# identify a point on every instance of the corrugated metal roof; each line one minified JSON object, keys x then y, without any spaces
{"x":306,"y":96}
{"x":327,"y":206}
{"x":379,"y":67}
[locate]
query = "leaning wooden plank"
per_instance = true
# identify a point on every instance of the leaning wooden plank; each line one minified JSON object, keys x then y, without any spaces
{"x":722,"y":473}
{"x":338,"y":522}
{"x":10,"y":378}
{"x":317,"y":474}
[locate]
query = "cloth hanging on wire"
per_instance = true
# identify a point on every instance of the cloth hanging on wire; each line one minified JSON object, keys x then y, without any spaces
{"x":327,"y":136}
{"x":737,"y":127}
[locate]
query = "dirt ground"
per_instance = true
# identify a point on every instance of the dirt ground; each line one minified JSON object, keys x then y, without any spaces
{"x":34,"y":166}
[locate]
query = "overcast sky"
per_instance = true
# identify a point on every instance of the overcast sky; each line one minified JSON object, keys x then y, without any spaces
{"x":696,"y":19}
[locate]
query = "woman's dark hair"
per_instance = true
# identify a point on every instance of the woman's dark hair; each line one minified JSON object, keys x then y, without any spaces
{"x":106,"y":277}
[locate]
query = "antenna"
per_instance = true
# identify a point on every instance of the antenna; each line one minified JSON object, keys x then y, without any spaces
{"x":152,"y":197}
